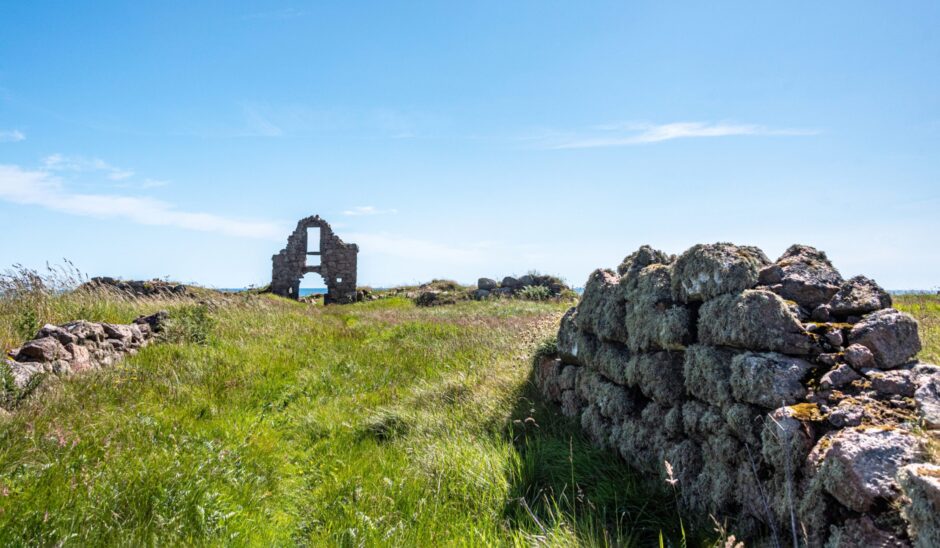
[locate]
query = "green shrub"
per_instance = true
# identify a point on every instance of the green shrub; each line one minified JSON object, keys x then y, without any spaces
{"x":534,"y":293}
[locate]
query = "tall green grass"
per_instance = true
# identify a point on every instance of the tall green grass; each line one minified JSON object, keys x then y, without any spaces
{"x":275,"y":423}
{"x":926,"y":309}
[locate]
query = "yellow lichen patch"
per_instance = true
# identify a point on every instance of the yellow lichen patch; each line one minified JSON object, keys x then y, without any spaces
{"x":806,"y":412}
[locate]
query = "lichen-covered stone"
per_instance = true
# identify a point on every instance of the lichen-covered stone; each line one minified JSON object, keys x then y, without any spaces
{"x":653,"y":320}
{"x":707,"y":373}
{"x":768,"y":379}
{"x":659,"y":376}
{"x":708,"y":270}
{"x":613,"y":361}
{"x":862,"y":533}
{"x":807,"y":277}
{"x":755,"y":320}
{"x":858,"y":296}
{"x":786,"y":440}
{"x":640,"y":259}
{"x":921,"y":486}
{"x":601,"y":310}
{"x":890,"y":335}
{"x":611,"y":400}
{"x":860,"y":465}
{"x":575,"y":346}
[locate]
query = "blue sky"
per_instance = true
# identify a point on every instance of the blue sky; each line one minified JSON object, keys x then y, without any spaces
{"x":462,"y":139}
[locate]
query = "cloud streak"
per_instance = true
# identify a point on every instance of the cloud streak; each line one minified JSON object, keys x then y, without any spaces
{"x":641,"y":134}
{"x":44,"y":189}
{"x":59,"y":162}
{"x":12,"y":136}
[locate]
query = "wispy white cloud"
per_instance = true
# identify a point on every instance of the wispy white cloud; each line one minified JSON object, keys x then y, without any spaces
{"x":59,"y":162}
{"x":11,"y":136}
{"x":360,"y":211}
{"x":615,"y":135}
{"x":44,"y":189}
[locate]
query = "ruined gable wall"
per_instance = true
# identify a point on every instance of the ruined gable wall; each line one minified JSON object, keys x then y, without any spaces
{"x":338,"y":263}
{"x":767,"y":386}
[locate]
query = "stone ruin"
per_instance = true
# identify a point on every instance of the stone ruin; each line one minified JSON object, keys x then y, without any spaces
{"x":784,"y":398}
{"x":330,"y":257}
{"x":74,"y":347}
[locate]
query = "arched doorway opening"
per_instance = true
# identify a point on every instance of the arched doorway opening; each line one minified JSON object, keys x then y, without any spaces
{"x":312,"y":284}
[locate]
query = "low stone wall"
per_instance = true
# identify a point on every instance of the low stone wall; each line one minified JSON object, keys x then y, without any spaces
{"x":509,"y":286}
{"x":783,"y":397}
{"x":78,"y":346}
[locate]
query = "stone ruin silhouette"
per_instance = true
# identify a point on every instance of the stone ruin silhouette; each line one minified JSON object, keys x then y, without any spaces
{"x":331,"y":258}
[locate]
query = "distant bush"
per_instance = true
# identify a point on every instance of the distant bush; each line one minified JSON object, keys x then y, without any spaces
{"x":535,"y":293}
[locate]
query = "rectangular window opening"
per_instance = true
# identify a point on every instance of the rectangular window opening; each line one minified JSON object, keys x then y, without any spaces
{"x":313,"y":246}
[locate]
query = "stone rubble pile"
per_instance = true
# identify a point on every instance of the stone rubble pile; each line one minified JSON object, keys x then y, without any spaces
{"x":509,"y":286}
{"x":137,"y":288}
{"x":775,"y":390}
{"x":79,"y":346}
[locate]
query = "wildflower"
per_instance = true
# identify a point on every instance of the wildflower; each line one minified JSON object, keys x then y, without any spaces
{"x":670,"y":478}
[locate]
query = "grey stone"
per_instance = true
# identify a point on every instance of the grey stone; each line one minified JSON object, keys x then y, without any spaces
{"x":889,"y":383}
{"x":337,"y":263}
{"x":653,"y":321}
{"x":808,"y":278}
{"x":571,"y":404}
{"x":859,"y":356}
{"x":601,"y":310}
{"x":927,"y":399}
{"x":835,"y":338}
{"x":708,"y":270}
{"x":859,"y":295}
{"x":860,"y":465}
{"x":846,"y":414}
{"x":61,"y":334}
{"x":821,"y":313}
{"x":921,"y":486}
{"x":480,"y":294}
{"x":838,"y":377}
{"x":611,"y":400}
{"x":46,"y":349}
{"x":890,"y":335}
{"x":487,"y":284}
{"x":754,"y":320}
{"x":86,"y":331}
{"x":575,"y":346}
{"x":768,"y":379}
{"x":528,"y":279}
{"x":510,"y":282}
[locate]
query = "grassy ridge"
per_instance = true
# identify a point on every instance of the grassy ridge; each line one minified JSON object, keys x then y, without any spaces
{"x":371,"y":424}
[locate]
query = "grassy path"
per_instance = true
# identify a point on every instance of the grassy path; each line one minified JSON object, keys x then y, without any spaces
{"x":371,"y":424}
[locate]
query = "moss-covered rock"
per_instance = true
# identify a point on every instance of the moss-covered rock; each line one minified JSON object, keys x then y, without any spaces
{"x":755,"y":320}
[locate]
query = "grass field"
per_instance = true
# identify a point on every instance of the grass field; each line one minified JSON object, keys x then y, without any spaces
{"x":268,"y":422}
{"x":369,"y":424}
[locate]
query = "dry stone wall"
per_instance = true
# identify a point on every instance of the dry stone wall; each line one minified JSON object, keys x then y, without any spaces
{"x":784,"y":397}
{"x":75,"y":347}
